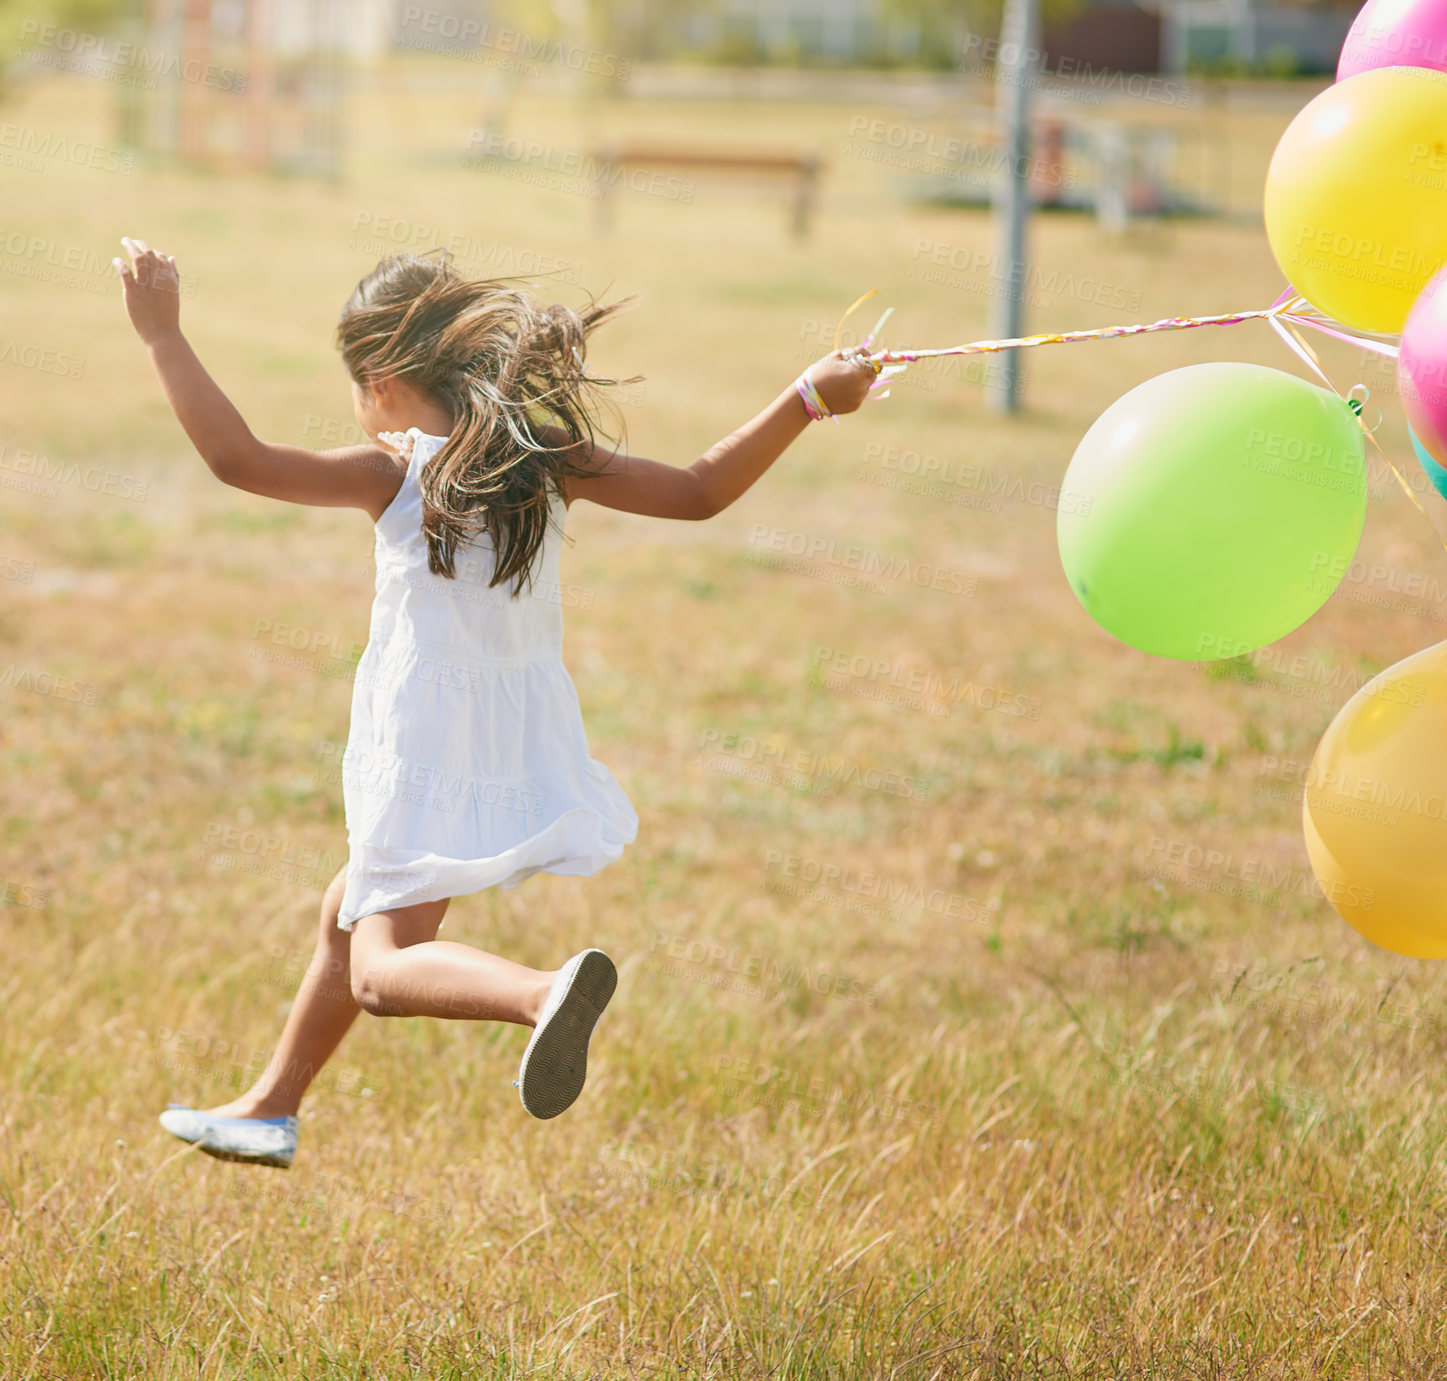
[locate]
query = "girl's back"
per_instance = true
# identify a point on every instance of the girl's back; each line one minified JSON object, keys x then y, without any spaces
{"x":468,"y":763}
{"x":461,"y":617}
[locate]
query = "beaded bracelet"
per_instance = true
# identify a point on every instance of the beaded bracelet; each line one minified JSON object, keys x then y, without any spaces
{"x":814,"y":405}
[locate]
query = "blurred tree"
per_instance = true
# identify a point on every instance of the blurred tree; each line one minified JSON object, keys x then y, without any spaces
{"x":942,"y":23}
{"x":655,"y":29}
{"x":633,"y":29}
{"x":18,"y":18}
{"x":644,"y":29}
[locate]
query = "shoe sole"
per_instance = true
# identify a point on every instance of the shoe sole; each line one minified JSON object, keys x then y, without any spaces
{"x":279,"y":1159}
{"x":277,"y":1162}
{"x":555,"y":1064}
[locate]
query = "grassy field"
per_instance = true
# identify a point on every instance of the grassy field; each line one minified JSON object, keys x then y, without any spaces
{"x":976,"y":1015}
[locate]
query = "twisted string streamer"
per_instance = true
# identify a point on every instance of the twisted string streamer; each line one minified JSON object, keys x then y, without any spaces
{"x":991,"y":347}
{"x":1288,"y":307}
{"x":1286,"y":316}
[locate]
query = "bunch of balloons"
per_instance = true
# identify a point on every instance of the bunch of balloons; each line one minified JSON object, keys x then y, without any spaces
{"x":1215,"y":508}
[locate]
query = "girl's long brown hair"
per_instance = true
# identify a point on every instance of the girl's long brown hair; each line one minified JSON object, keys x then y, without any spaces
{"x":509,"y":369}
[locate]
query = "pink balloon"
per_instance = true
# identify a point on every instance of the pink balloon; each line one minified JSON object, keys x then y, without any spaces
{"x":1422,"y":367}
{"x":1396,"y":33}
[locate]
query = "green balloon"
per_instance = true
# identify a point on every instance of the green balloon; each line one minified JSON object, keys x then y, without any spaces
{"x":1213,"y":509}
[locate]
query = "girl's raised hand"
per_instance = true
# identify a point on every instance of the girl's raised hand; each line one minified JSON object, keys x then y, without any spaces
{"x":152,"y":288}
{"x":843,"y":380}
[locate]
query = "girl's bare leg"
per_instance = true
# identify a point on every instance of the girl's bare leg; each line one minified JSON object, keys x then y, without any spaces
{"x":322,"y":1014}
{"x":399,"y":969}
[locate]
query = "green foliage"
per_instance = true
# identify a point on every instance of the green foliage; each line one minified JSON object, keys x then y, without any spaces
{"x":651,"y":29}
{"x":1281,"y":61}
{"x":640,"y":29}
{"x":91,"y":16}
{"x":941,"y":21}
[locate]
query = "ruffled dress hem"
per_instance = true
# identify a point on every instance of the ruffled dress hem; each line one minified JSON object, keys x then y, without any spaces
{"x":577,"y":844}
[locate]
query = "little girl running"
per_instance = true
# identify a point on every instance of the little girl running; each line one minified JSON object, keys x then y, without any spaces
{"x":466,"y":765}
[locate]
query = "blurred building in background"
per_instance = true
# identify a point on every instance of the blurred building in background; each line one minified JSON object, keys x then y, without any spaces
{"x":290,"y":27}
{"x":1175,"y":36}
{"x":1257,"y":37}
{"x":1229,"y":37}
{"x":1244,"y":36}
{"x":842,"y":31}
{"x":367,"y":29}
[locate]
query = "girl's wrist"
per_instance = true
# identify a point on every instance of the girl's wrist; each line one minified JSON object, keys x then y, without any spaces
{"x":166,"y":336}
{"x":814,"y":404}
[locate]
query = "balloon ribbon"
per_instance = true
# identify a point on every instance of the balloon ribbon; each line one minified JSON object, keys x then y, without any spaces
{"x":1288,"y":307}
{"x":1286,"y":316}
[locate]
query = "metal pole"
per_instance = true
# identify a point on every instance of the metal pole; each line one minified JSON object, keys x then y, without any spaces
{"x":1014,"y":75}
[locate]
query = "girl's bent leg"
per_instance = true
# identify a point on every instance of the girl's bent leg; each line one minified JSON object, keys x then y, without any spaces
{"x":322,"y":1014}
{"x":399,"y":969}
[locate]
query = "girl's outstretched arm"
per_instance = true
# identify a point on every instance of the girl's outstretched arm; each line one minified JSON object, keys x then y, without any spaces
{"x":728,"y":469}
{"x":365,"y":477}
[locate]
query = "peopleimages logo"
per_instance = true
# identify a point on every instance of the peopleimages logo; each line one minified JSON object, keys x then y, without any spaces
{"x":584,"y":173}
{"x":385,"y":234}
{"x":798,"y":765}
{"x":912,"y":147}
{"x":1282,"y":446}
{"x":129,"y":64}
{"x":57,"y":266}
{"x":1245,"y":876}
{"x":901,"y":893}
{"x":954,"y":265}
{"x":1377,"y":576}
{"x":452,"y":33}
{"x":951,"y":472}
{"x":1338,"y":792}
{"x":47,"y":144}
{"x":835,"y":669}
{"x":761,"y":968}
{"x":1036,"y":63}
{"x":22,"y":355}
{"x":854,"y":557}
{"x":1360,"y":256}
{"x":46,"y":474}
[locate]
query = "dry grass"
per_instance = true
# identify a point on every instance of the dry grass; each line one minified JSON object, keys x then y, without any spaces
{"x":1056,"y":1114}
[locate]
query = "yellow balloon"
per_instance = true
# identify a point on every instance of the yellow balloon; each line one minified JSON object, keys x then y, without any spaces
{"x":1375,"y":814}
{"x":1371,"y":911}
{"x":1356,"y":196}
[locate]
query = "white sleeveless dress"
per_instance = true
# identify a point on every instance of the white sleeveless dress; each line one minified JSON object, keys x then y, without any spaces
{"x":467,"y":765}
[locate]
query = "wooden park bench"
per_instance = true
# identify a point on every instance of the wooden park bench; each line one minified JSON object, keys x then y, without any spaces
{"x":801,"y":169}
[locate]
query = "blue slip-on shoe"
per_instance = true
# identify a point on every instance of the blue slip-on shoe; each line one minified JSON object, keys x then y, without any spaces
{"x":555,"y":1064}
{"x":254,"y":1140}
